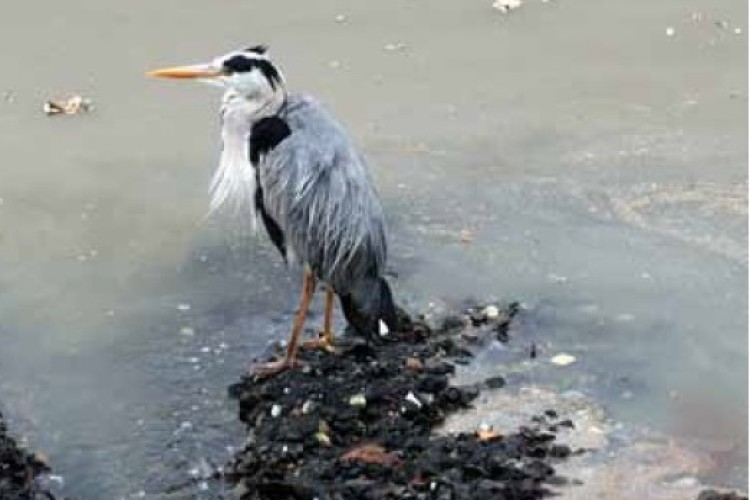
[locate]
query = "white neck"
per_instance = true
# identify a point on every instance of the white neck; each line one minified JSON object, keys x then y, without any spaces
{"x":233,"y":182}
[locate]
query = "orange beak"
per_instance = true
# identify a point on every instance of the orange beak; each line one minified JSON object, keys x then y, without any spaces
{"x":186,"y":72}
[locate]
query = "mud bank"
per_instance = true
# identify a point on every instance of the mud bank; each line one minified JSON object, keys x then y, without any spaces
{"x":360,"y":424}
{"x":19,"y":470}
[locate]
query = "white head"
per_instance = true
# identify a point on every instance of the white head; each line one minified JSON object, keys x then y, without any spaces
{"x":254,"y":89}
{"x":249,"y":73}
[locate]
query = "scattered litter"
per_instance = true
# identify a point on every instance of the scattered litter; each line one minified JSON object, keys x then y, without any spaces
{"x":358,"y":400}
{"x":562,"y":359}
{"x":487,"y":433}
{"x":466,"y":235}
{"x":414,"y":364}
{"x":383,"y":328}
{"x":72,"y":106}
{"x":506,"y":6}
{"x":387,"y":447}
{"x":491,"y":312}
{"x":370,"y":454}
{"x":722,"y":24}
{"x":184,"y":426}
{"x":308,"y":406}
{"x":687,"y":482}
{"x":276,"y":411}
{"x":394,"y":47}
{"x":556,"y":278}
{"x":322,"y":438}
{"x":413,"y":400}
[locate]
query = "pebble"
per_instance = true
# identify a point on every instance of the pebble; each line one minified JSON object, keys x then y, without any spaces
{"x":183,"y":307}
{"x":414,"y":364}
{"x":410,"y":397}
{"x":670,"y":31}
{"x":276,"y":411}
{"x":491,"y":312}
{"x":506,"y":6}
{"x":687,"y":482}
{"x":358,"y":400}
{"x":562,"y":359}
{"x":323,"y":439}
{"x":308,"y":406}
{"x":394,"y":47}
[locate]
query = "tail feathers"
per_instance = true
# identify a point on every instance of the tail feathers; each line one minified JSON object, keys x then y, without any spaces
{"x":368,"y":305}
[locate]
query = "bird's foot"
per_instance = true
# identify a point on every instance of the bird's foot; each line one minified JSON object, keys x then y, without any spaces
{"x":324,"y":342}
{"x":267,"y":370}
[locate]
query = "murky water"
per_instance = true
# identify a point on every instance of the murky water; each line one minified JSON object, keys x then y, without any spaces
{"x":570,"y":155}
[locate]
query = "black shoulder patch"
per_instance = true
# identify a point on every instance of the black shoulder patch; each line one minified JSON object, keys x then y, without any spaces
{"x":265,"y":135}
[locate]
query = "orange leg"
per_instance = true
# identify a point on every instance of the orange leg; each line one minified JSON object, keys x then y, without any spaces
{"x":290,"y":360}
{"x":326,"y":339}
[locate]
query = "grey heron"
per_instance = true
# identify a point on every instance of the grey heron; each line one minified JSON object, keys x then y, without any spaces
{"x":288,"y":162}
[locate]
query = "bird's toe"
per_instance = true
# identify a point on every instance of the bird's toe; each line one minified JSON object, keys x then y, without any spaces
{"x":272,"y":368}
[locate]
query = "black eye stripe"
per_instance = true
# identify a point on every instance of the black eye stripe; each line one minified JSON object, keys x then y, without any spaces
{"x":239,"y":64}
{"x":243,"y":64}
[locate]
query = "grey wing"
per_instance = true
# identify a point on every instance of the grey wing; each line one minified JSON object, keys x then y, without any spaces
{"x":319,"y":191}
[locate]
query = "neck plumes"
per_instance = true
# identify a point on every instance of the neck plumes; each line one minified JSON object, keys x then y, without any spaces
{"x":234,"y":182}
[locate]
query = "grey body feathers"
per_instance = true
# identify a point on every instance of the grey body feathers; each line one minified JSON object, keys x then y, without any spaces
{"x":318,"y":190}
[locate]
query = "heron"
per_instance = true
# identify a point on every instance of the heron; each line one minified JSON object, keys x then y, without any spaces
{"x":286,"y":161}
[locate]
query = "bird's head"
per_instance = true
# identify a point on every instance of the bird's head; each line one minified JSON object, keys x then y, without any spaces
{"x":254,"y":89}
{"x":249,"y":73}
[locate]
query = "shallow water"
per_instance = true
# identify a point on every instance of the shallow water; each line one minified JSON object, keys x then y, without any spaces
{"x":597,"y":166}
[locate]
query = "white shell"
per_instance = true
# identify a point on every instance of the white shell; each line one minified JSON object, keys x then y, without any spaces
{"x":562,"y":359}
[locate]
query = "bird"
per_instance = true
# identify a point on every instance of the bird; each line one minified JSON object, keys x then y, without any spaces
{"x":288,"y":162}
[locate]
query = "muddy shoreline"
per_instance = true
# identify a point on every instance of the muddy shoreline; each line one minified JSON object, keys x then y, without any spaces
{"x":366,"y":422}
{"x":19,"y":469}
{"x":360,"y":424}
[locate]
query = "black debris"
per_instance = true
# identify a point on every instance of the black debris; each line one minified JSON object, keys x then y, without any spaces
{"x":19,"y":470}
{"x":361,"y":426}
